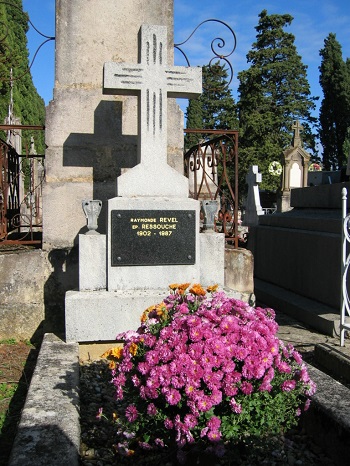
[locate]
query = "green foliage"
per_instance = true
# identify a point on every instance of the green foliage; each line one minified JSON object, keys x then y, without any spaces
{"x":335,"y":106}
{"x":215,"y":108}
{"x":29,"y":107}
{"x":9,"y":341}
{"x":346,"y":145}
{"x":219,"y":109}
{"x":194,"y":115}
{"x":274,"y":92}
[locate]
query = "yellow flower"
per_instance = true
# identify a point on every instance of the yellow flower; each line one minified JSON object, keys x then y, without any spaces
{"x":116,"y":352}
{"x":174,"y":286}
{"x":133,"y":349}
{"x":183,"y":287}
{"x":212,"y":289}
{"x":145,"y":313}
{"x":198,"y":290}
{"x":112,"y":365}
{"x":106,"y":354}
{"x":160,"y":309}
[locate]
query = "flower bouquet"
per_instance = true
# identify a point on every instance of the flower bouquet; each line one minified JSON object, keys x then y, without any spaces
{"x":202,"y":373}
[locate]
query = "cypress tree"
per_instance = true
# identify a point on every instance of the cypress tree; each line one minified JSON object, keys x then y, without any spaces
{"x":194,"y":119}
{"x":274,"y":92}
{"x":215,"y":108}
{"x":335,"y":106}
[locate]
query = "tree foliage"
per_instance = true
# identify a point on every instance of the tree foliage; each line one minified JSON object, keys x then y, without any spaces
{"x":28,"y":106}
{"x":335,"y":106}
{"x":274,"y":92}
{"x":215,"y":108}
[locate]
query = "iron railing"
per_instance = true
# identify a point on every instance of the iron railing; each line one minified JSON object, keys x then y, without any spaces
{"x":211,"y":166}
{"x":345,"y":263}
{"x":20,"y":206}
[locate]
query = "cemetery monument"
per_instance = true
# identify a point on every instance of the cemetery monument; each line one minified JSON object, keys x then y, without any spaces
{"x":153,"y":235}
{"x":295,"y":167}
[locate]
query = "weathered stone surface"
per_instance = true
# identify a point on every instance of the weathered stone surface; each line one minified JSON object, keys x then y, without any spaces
{"x":303,"y":261}
{"x":22,"y":279}
{"x":300,"y":252}
{"x":33,"y":284}
{"x":327,"y":196}
{"x":313,"y":313}
{"x":328,"y":420}
{"x":49,"y":430}
{"x":92,"y":262}
{"x":334,"y":358}
{"x":239,"y":268}
{"x":101,"y":315}
{"x":91,"y":138}
{"x":212,"y":258}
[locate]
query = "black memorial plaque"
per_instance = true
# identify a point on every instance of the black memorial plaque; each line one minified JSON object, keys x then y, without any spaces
{"x":153,"y":237}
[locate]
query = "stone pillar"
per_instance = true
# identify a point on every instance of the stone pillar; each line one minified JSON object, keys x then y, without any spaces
{"x":92,"y":137}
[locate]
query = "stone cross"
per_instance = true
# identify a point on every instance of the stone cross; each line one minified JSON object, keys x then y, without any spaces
{"x":297,"y":128}
{"x":253,"y":207}
{"x":152,"y":80}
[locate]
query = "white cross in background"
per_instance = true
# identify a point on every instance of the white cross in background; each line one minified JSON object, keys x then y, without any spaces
{"x":152,"y":80}
{"x":253,"y":207}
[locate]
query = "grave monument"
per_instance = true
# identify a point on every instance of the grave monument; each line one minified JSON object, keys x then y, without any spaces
{"x":295,"y":167}
{"x":91,"y":138}
{"x":253,"y":207}
{"x":153,"y":235}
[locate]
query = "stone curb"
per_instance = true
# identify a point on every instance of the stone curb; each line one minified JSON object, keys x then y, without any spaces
{"x":328,"y":420}
{"x":334,"y":359}
{"x":49,"y":429}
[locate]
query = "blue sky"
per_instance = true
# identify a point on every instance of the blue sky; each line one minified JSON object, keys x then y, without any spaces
{"x":313,"y":21}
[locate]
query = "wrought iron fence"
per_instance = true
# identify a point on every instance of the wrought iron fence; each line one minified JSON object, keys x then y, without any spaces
{"x":345,"y":264}
{"x":20,"y":196}
{"x":212,"y":169}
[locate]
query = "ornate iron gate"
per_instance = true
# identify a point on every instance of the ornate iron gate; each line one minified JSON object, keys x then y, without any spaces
{"x":211,"y":166}
{"x":20,"y":207}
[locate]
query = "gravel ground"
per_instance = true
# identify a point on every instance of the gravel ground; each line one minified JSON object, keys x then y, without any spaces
{"x":97,"y":437}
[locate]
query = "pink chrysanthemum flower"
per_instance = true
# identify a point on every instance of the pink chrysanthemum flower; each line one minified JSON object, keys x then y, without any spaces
{"x":151,"y":409}
{"x":190,"y":421}
{"x":172,"y":396}
{"x":189,"y":369}
{"x":214,"y":423}
{"x":131,"y":413}
{"x":288,"y":385}
{"x":214,"y":435}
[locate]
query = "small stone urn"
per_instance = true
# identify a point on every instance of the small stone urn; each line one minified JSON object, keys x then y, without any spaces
{"x":209,"y":209}
{"x":92,"y":209}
